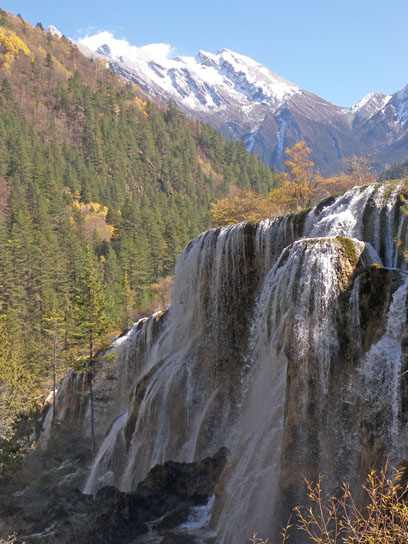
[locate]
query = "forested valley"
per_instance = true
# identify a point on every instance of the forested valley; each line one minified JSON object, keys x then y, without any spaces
{"x":100,"y":190}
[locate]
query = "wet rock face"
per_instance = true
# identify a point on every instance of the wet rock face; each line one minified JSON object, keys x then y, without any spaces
{"x":377,"y":285}
{"x":191,"y":482}
{"x":351,"y":425}
{"x":162,"y":502}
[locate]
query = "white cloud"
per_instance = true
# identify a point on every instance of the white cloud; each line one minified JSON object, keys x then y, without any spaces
{"x":158,"y":50}
{"x":122,"y":48}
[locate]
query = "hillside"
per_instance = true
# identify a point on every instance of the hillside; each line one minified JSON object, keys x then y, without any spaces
{"x":95,"y":182}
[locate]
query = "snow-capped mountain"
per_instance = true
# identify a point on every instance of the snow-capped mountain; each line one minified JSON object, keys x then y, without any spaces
{"x":246,"y":100}
{"x":369,"y":105}
{"x":400,"y":103}
{"x":206,"y":82}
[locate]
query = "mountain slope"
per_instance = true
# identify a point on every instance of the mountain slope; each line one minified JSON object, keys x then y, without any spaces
{"x":242,"y":98}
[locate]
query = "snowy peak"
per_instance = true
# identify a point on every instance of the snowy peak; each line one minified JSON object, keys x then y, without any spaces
{"x":104,"y":50}
{"x":400,"y":103}
{"x":247,"y":74}
{"x":375,"y":103}
{"x":370,"y":105}
{"x":206,"y":82}
{"x":247,"y":101}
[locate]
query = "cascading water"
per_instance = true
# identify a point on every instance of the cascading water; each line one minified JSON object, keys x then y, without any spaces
{"x":206,"y":336}
{"x":275,"y":345}
{"x":381,"y":369}
{"x":104,"y":454}
{"x":370,"y":213}
{"x":290,"y":308}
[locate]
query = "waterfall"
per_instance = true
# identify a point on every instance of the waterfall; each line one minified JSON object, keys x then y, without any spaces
{"x":370,"y":213}
{"x":282,"y":343}
{"x":282,"y":314}
{"x":381,"y":368}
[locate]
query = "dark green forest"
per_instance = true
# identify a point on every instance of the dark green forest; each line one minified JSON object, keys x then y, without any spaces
{"x":92,"y":177}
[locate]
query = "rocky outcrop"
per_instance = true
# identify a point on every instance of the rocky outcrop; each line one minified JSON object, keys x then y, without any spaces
{"x":162,"y":502}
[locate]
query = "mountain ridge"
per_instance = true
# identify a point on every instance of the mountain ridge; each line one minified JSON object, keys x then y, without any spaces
{"x":247,"y":101}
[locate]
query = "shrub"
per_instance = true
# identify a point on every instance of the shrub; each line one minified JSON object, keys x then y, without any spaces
{"x":335,"y":520}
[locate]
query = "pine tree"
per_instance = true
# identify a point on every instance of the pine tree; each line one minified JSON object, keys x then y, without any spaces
{"x":93,"y":140}
{"x":127,"y":302}
{"x":54,"y":327}
{"x":14,"y":381}
{"x":91,"y":320}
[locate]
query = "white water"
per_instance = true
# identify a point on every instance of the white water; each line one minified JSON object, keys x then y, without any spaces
{"x":103,"y":458}
{"x":344,"y":217}
{"x":381,"y":368}
{"x":239,"y":369}
{"x":199,"y":517}
{"x":363,"y":213}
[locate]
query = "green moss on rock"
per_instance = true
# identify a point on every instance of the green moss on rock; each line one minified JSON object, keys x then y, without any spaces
{"x":350,"y":249}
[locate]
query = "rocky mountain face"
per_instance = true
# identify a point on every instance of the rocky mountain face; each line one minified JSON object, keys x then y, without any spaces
{"x":282,"y":356}
{"x":243,"y":99}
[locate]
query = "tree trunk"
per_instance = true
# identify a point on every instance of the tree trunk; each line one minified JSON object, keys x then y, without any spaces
{"x":54,"y":376}
{"x":91,"y":363}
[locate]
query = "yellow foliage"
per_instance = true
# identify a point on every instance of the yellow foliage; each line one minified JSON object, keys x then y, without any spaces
{"x":300,"y":186}
{"x":141,"y":104}
{"x":161,"y":292}
{"x":358,"y":173}
{"x":10,"y":45}
{"x":292,"y":197}
{"x":41,"y":51}
{"x":93,"y":207}
{"x":331,"y":520}
{"x":94,"y":215}
{"x":62,"y":70}
{"x":208,"y":170}
{"x":298,"y":163}
{"x":241,"y":206}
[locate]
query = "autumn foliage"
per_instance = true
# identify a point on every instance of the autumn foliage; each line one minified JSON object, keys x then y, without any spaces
{"x":299,"y":187}
{"x":10,"y":46}
{"x":241,"y":205}
{"x":358,"y":172}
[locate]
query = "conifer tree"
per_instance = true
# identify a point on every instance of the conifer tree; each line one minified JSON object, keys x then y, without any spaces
{"x":14,"y":382}
{"x":91,"y":320}
{"x":127,"y":302}
{"x":54,"y":327}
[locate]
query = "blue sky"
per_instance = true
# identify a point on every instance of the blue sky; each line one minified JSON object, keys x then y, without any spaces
{"x":340,"y":50}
